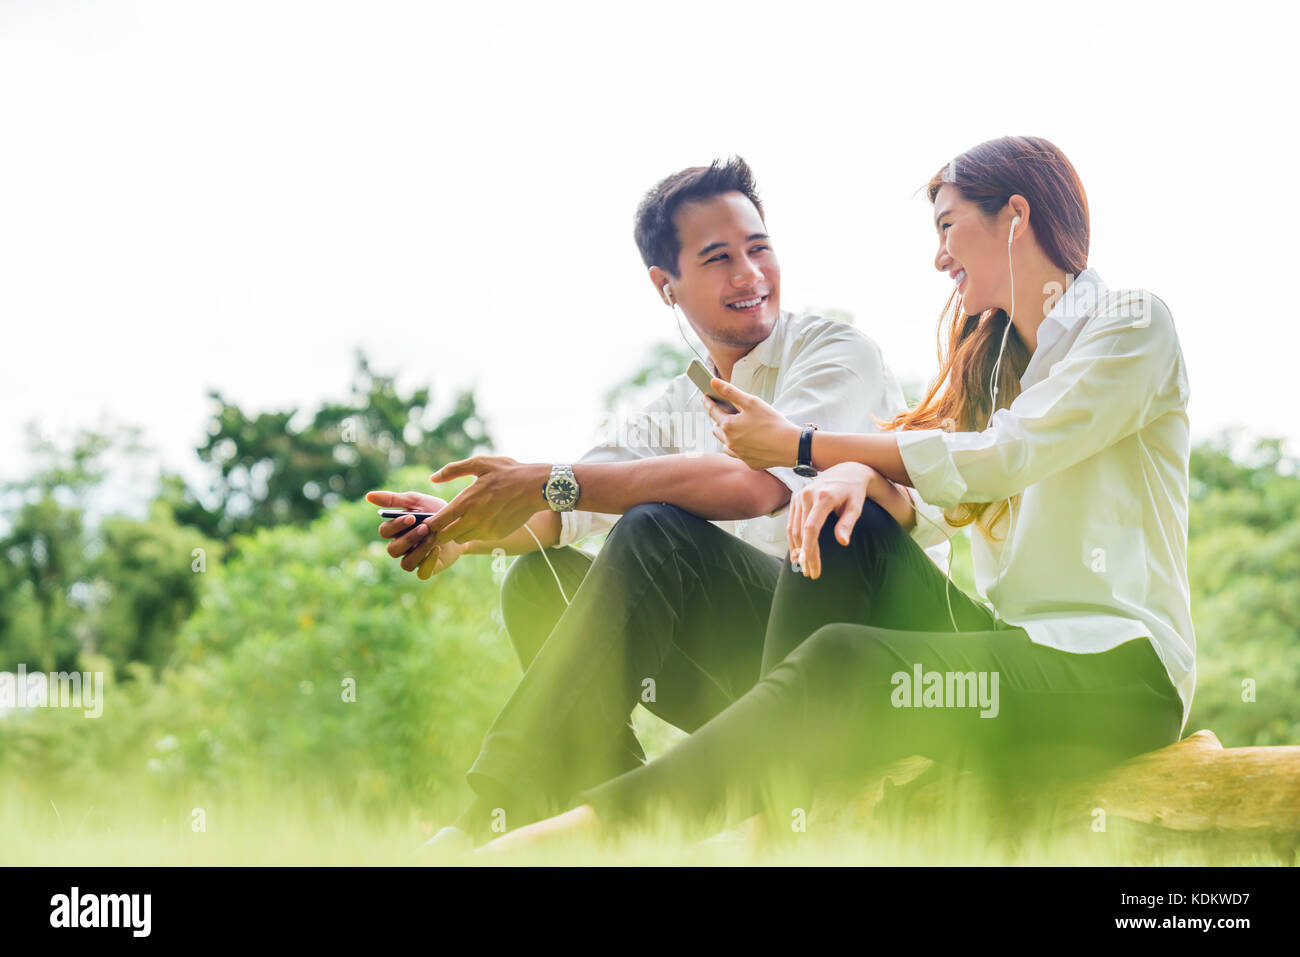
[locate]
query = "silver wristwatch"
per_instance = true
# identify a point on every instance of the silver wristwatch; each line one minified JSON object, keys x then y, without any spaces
{"x":561,"y":489}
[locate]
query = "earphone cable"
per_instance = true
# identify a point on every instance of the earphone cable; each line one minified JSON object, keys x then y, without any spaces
{"x":549,"y":565}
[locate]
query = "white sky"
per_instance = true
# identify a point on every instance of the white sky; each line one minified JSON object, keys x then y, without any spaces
{"x":238,"y":195}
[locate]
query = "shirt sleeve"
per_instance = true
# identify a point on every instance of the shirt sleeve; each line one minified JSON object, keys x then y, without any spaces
{"x":837,"y":382}
{"x":654,"y":430}
{"x":1124,"y":372}
{"x":931,"y":527}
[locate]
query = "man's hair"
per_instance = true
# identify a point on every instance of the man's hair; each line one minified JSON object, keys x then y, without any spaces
{"x":656,"y":233}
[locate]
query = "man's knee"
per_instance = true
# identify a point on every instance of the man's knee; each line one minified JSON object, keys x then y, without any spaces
{"x":651,"y":520}
{"x":527,"y":581}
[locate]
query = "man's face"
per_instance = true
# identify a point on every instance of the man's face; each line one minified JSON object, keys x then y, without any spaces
{"x":730,"y":281}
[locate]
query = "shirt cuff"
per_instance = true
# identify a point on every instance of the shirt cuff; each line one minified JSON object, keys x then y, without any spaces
{"x":930,"y":527}
{"x":574,"y":527}
{"x":791,"y":480}
{"x":930,"y":466}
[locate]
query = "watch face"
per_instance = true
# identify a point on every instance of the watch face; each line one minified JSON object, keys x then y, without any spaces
{"x":561,"y":492}
{"x":807,"y":471}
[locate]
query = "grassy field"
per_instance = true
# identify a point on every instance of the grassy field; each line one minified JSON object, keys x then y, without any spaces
{"x":127,"y":821}
{"x":296,"y":831}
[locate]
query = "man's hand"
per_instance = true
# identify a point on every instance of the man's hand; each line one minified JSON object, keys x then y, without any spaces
{"x":410,"y":541}
{"x":440,"y":559}
{"x":504,"y":495}
{"x":757,"y":434}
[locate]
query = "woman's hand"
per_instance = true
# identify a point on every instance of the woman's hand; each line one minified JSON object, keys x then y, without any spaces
{"x":841,"y":488}
{"x":757,"y":434}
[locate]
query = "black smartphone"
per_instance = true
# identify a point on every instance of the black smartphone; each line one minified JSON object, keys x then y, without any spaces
{"x":399,"y":512}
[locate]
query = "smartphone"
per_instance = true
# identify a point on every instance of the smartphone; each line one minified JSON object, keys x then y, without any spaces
{"x":701,"y":377}
{"x":399,"y":512}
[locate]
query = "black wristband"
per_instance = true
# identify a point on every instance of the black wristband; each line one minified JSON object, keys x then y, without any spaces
{"x":803,"y":464}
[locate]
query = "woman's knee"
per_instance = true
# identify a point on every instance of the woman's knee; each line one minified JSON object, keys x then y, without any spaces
{"x":841,"y":657}
{"x":874,"y":524}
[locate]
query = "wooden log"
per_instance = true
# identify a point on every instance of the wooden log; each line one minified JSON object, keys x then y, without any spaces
{"x":1247,"y":798}
{"x":1197,"y":784}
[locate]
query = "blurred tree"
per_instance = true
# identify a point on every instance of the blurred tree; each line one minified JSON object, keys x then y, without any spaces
{"x":1244,"y":561}
{"x":271,"y":470}
{"x":665,"y":362}
{"x":70,"y":585}
{"x":147,"y":576}
{"x":43,"y":548}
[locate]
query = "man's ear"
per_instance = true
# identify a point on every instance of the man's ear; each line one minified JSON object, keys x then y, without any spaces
{"x":658,"y":278}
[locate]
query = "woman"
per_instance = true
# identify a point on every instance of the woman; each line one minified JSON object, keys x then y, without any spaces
{"x":1058,"y":425}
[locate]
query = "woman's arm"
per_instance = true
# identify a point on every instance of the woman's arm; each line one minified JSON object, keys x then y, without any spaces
{"x":1123,"y":372}
{"x":763,"y":438}
{"x":879,"y":450}
{"x":892,"y":498}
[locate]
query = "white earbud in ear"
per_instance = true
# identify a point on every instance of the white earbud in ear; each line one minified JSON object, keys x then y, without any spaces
{"x":668,"y":294}
{"x":1014,"y":221}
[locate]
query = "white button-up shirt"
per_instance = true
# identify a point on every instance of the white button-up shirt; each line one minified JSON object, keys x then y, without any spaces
{"x":1095,"y":450}
{"x":810,"y":369}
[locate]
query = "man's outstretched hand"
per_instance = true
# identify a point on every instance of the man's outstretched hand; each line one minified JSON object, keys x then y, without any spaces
{"x":503,"y":496}
{"x":412,"y":541}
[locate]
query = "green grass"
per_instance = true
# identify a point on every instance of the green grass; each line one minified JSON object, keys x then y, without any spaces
{"x":294,"y":832}
{"x":129,"y":819}
{"x":250,"y":825}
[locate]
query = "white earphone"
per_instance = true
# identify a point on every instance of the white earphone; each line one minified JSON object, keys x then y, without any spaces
{"x":997,"y":366}
{"x":997,"y":372}
{"x":993,"y":389}
{"x":668,"y":294}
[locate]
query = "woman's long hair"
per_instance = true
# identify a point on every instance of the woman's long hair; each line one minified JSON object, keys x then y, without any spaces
{"x":989,"y":175}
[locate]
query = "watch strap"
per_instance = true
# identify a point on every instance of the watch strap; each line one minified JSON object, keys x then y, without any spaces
{"x":803,"y":462}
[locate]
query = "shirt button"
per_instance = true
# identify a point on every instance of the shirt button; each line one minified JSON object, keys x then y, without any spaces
{"x":740,"y":527}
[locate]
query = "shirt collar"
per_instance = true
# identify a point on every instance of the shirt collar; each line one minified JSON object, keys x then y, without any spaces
{"x":767,"y":352}
{"x":1079,"y":300}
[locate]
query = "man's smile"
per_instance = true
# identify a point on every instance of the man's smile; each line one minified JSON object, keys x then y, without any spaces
{"x":751,"y":306}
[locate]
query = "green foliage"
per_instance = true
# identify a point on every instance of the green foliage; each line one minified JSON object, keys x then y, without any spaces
{"x":285,"y":630}
{"x":300,"y":612}
{"x":42,"y":551}
{"x":148,"y":573}
{"x":1244,"y":565}
{"x":270,"y":469}
{"x":123,"y":588}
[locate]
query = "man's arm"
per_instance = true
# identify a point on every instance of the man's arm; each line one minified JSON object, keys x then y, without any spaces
{"x":545,"y":525}
{"x":711,"y":485}
{"x":505,"y":493}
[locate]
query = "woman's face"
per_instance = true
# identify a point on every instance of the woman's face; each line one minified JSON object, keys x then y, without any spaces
{"x":972,"y":250}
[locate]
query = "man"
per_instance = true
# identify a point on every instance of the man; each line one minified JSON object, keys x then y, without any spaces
{"x":673,"y":611}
